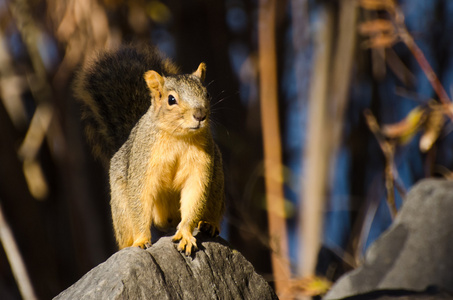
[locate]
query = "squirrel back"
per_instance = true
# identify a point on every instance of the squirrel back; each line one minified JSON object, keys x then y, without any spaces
{"x":115,"y":95}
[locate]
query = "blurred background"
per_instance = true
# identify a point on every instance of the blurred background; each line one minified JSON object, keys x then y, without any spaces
{"x":349,"y":106}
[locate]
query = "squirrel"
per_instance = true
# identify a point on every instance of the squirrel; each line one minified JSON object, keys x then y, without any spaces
{"x":150,"y":126}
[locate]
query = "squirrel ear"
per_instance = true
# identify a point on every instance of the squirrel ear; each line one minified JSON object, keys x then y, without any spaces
{"x":154,"y":81}
{"x":200,"y":72}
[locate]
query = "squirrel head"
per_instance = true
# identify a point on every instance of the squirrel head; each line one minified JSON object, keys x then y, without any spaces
{"x":179,"y":102}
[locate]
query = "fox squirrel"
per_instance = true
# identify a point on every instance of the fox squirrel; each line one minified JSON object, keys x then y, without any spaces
{"x":151,"y":127}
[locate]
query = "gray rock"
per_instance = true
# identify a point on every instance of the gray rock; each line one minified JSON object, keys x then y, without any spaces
{"x":215,"y":271}
{"x":415,"y":253}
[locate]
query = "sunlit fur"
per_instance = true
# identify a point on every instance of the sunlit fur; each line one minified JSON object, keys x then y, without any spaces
{"x":169,"y":171}
{"x":165,"y":169}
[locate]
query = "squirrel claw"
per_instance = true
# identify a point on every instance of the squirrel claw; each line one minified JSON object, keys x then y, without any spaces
{"x":186,"y":242}
{"x":142,"y":244}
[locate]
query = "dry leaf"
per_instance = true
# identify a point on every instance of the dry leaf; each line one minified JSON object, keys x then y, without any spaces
{"x":406,"y":128}
{"x":448,"y":108}
{"x":377,"y":4}
{"x":36,"y":181}
{"x":376,"y":26}
{"x":433,"y":127}
{"x":158,"y":12}
{"x":310,"y":286}
{"x":381,"y":41}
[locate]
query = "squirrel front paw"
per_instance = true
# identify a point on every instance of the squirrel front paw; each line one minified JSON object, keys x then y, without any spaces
{"x":186,"y":241}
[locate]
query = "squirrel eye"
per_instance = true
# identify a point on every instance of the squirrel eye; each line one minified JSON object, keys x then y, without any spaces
{"x":171,"y":100}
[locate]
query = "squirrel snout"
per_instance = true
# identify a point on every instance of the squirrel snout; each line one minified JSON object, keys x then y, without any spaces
{"x":200,"y":114}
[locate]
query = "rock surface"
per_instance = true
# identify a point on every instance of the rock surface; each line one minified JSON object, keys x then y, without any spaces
{"x":215,"y":271}
{"x":415,"y":254}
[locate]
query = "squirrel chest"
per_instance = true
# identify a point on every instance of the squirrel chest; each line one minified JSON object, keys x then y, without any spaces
{"x":175,"y":166}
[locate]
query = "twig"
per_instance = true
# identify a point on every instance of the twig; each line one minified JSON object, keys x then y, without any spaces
{"x":408,"y":40}
{"x":389,"y":152}
{"x":15,"y":259}
{"x":388,"y":148}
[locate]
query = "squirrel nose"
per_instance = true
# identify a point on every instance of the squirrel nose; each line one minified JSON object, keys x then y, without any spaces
{"x":199,"y":114}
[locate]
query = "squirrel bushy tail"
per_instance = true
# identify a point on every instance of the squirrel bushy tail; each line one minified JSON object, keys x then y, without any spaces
{"x":115,"y":96}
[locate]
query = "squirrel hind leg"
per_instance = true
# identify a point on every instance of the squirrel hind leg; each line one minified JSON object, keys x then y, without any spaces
{"x":142,"y":244}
